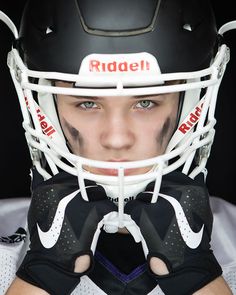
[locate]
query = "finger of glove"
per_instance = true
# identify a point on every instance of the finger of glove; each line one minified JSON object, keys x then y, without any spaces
{"x":69,"y":228}
{"x":96,"y":193}
{"x":145,"y":197}
{"x":168,"y":235}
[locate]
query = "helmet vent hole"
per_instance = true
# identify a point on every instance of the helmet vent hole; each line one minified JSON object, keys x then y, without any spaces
{"x":48,"y":31}
{"x":187,"y":27}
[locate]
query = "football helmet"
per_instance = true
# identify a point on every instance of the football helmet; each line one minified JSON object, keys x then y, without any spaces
{"x":118,"y":48}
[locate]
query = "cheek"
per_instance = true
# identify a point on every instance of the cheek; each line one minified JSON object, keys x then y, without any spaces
{"x":166,"y":132}
{"x":81,"y":137}
{"x":157,"y":134}
{"x":147,"y":143}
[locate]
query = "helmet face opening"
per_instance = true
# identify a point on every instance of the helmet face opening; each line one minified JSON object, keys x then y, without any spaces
{"x":114,"y":50}
{"x":195,"y":123}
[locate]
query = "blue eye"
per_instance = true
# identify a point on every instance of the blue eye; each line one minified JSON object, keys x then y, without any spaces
{"x":88,"y":105}
{"x":145,"y":104}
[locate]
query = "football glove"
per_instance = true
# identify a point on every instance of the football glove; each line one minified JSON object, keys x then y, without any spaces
{"x":62,"y":227}
{"x":177,"y":230}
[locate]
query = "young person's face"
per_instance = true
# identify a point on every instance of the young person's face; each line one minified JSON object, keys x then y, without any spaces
{"x":118,"y":128}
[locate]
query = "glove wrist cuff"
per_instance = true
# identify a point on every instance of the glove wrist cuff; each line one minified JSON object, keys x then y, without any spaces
{"x":190,"y":276}
{"x":49,"y":276}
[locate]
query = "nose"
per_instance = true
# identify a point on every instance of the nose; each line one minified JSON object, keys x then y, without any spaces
{"x":117,"y":133}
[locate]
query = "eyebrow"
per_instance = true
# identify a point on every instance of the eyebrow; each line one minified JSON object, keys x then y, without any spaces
{"x":87,"y":97}
{"x":131,"y":97}
{"x":145,"y":96}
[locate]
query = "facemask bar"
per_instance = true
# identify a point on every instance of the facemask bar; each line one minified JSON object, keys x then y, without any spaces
{"x":158,"y":89}
{"x":9,"y":23}
{"x":199,"y":126}
{"x":227,"y":27}
{"x":208,"y":112}
{"x":31,"y":112}
{"x":120,"y":218}
{"x":121,"y":203}
{"x":55,"y":152}
{"x":119,"y":86}
{"x":182,"y":151}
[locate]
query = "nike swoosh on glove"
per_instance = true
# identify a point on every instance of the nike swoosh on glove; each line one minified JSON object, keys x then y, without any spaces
{"x":62,"y":227}
{"x":177,"y":230}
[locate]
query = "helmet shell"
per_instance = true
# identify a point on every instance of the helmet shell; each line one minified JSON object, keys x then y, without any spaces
{"x":56,"y":35}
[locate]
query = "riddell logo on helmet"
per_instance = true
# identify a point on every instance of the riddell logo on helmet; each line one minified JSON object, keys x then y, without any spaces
{"x":115,"y":66}
{"x":46,"y":127}
{"x":191,"y":120}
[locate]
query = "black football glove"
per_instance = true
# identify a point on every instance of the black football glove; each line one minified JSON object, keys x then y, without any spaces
{"x":177,"y":230}
{"x":62,"y":227}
